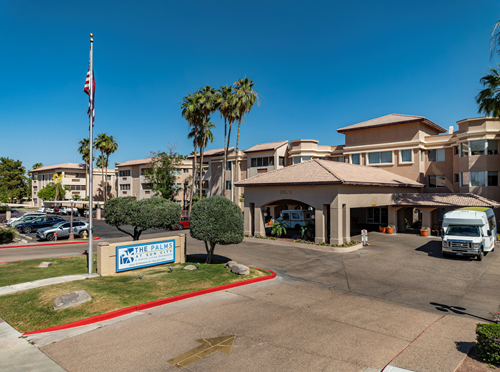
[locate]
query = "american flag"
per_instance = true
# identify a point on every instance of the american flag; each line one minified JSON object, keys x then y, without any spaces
{"x":86,"y":89}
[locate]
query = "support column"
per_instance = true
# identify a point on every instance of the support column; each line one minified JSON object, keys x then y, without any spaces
{"x":346,"y":223}
{"x":393,"y":217}
{"x":247,"y":224}
{"x":427,"y":217}
{"x":336,"y":227}
{"x":319,"y":226}
{"x":259,"y":223}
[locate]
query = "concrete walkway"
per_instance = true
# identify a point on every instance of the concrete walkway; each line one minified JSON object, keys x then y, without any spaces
{"x":43,"y":282}
{"x":18,"y":355}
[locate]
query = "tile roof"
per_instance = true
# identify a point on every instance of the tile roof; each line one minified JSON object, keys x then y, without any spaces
{"x":444,"y":199}
{"x":391,"y":119}
{"x":61,"y":166}
{"x":133,"y":162}
{"x":271,"y":146}
{"x":214,"y":152}
{"x":318,"y":172}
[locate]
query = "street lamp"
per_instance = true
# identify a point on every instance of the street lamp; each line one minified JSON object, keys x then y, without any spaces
{"x":71,"y":236}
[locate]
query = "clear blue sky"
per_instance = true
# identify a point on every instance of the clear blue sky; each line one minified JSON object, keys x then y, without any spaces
{"x":319,"y":66}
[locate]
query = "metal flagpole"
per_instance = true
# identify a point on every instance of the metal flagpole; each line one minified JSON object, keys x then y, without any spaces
{"x":91,"y":146}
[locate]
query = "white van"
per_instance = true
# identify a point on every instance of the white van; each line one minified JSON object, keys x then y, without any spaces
{"x":295,"y":218}
{"x":469,"y":231}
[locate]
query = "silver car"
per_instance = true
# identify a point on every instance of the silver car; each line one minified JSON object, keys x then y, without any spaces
{"x":63,"y":230}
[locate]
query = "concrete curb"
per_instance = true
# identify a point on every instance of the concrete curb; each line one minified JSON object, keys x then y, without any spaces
{"x":315,"y":247}
{"x":44,"y":244}
{"x":148,"y":305}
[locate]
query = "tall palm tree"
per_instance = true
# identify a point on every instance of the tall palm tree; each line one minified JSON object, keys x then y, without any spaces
{"x":246,"y":97}
{"x":191,"y":112}
{"x":208,"y":102}
{"x":101,"y":144}
{"x":37,"y":165}
{"x":489,"y":98}
{"x":84,"y":150}
{"x":111,"y":148}
{"x":227,"y":111}
{"x":102,"y":163}
{"x":60,"y":191}
{"x":495,"y":40}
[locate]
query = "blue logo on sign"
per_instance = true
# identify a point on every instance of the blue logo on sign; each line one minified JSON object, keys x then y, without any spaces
{"x":127,"y":256}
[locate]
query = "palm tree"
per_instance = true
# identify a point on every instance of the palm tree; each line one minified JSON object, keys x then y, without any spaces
{"x":227,"y":111}
{"x":37,"y":165}
{"x":489,"y":98}
{"x":57,"y":178}
{"x":111,"y":148}
{"x":84,"y":150}
{"x":246,"y":97}
{"x":102,"y":163}
{"x":208,"y":102}
{"x":192,"y":114}
{"x":495,"y":40}
{"x":101,"y":144}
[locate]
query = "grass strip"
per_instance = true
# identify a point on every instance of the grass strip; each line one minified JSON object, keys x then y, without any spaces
{"x":32,"y":310}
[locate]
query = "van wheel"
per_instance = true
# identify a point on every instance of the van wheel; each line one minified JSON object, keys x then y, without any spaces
{"x":480,"y":255}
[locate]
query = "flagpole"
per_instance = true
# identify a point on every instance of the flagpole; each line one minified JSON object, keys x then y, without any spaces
{"x":91,"y":146}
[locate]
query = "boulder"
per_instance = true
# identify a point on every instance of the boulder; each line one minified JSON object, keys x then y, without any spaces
{"x":45,"y":264}
{"x":230,"y":264}
{"x":190,"y":267}
{"x":71,"y":299}
{"x":240,"y":269}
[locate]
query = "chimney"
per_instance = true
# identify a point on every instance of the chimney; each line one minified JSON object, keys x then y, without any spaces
{"x":450,"y":129}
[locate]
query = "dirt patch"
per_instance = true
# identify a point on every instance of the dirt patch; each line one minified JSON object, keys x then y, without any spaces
{"x":472,"y":363}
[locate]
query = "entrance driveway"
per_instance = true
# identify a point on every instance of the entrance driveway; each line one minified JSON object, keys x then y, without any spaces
{"x":397,"y":301}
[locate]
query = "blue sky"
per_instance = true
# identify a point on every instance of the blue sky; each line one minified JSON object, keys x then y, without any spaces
{"x":318,"y":65}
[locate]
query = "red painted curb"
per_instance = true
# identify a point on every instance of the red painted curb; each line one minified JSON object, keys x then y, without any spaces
{"x":44,"y":244}
{"x":148,"y":305}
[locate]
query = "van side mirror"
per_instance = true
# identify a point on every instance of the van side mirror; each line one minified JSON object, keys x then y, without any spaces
{"x":489,"y":232}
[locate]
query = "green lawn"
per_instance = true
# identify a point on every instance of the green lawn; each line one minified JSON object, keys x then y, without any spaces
{"x":32,"y":310}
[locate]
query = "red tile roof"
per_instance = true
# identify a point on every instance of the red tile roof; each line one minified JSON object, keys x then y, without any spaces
{"x":391,"y":119}
{"x":271,"y":146}
{"x":214,"y":152}
{"x":445,"y":199}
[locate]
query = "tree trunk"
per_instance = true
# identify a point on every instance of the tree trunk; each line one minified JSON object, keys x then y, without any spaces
{"x":225,"y":160}
{"x":106,"y":181}
{"x":201,"y":162}
{"x":237,"y":178}
{"x":137,"y":233}
{"x":194,"y":177}
{"x":208,"y":253}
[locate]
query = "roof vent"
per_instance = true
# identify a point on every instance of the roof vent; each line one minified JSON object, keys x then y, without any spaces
{"x":450,"y":129}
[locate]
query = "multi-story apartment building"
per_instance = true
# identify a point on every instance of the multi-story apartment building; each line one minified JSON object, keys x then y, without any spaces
{"x":132,"y":180}
{"x":75,"y":177}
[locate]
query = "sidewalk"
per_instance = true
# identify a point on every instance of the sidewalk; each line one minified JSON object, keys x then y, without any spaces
{"x":43,"y":282}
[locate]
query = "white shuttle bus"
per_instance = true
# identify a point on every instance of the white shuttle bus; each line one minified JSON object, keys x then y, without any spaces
{"x":469,"y":231}
{"x":295,"y":218}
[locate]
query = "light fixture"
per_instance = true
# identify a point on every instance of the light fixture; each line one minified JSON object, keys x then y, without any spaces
{"x":198,"y":265}
{"x":170,"y":268}
{"x":140,"y":276}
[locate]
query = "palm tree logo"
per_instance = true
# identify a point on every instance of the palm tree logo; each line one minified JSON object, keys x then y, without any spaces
{"x":127,"y":256}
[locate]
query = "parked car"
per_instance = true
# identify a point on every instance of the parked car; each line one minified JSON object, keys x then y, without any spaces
{"x":67,"y":210}
{"x":49,"y":210}
{"x":42,"y":210}
{"x":63,"y":230}
{"x":23,"y":219}
{"x":13,"y":219}
{"x":184,"y":224}
{"x":38,"y":223}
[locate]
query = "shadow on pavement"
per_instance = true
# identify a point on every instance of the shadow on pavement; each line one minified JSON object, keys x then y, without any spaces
{"x":456,"y":310}
{"x":464,"y":347}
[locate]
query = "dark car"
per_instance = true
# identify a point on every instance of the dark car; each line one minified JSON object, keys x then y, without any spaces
{"x":38,"y":223}
{"x":184,"y":224}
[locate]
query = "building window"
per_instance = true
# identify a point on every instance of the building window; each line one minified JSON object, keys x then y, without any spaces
{"x":228,"y":166}
{"x":356,"y":159}
{"x":76,"y":187}
{"x":492,"y":147}
{"x":421,"y":155}
{"x":125,"y":173}
{"x":477,"y":179}
{"x":205,"y":184}
{"x":228,"y":185}
{"x":282,"y":161}
{"x":436,"y":181}
{"x":109,"y":178}
{"x":125,"y":186}
{"x":108,"y":188}
{"x":378,"y":215}
{"x":464,"y":179}
{"x":455,"y":150}
{"x":341,"y":159}
{"x":436,"y":155}
{"x":185,"y":170}
{"x":147,"y":186}
{"x":457,"y":177}
{"x":464,"y":149}
{"x":35,"y":188}
{"x":80,"y":175}
{"x":492,"y":178}
{"x":477,"y":147}
{"x":383,"y":157}
{"x":406,"y":156}
{"x":262,"y":162}
{"x":296,"y":160}
{"x":306,"y":158}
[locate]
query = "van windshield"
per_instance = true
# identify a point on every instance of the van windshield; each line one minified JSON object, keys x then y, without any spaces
{"x":463,"y":231}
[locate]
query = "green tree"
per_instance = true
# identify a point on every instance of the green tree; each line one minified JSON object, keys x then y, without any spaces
{"x":192,"y":113}
{"x":278,"y":229}
{"x":53,"y":191}
{"x":111,"y":148}
{"x":216,"y":220}
{"x":13,"y":180}
{"x":37,"y":165}
{"x":488,"y":99}
{"x":84,"y":151}
{"x":227,"y":111}
{"x":164,"y":172}
{"x":246,"y":97}
{"x":106,"y":145}
{"x":146,"y":214}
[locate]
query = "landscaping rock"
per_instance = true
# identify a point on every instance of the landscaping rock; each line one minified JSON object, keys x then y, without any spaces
{"x":190,"y":267}
{"x":45,"y":264}
{"x":71,"y":299}
{"x":240,"y":269}
{"x":230,"y":264}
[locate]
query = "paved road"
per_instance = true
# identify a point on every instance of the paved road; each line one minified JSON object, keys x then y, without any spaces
{"x":325,"y":312}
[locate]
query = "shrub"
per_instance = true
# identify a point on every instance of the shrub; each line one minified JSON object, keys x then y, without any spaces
{"x":7,"y":235}
{"x":153,"y":213}
{"x":216,"y":220}
{"x":488,"y":342}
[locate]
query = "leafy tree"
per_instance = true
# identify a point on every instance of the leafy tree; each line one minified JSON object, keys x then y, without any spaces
{"x":13,"y":180}
{"x":52,"y":191}
{"x":186,"y":189}
{"x":165,"y":168}
{"x":84,"y":150}
{"x":227,"y":111}
{"x":146,"y":214}
{"x":216,"y":220}
{"x":488,"y":99}
{"x":246,"y":97}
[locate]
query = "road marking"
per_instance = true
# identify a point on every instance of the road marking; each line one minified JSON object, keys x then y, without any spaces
{"x":207,"y":347}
